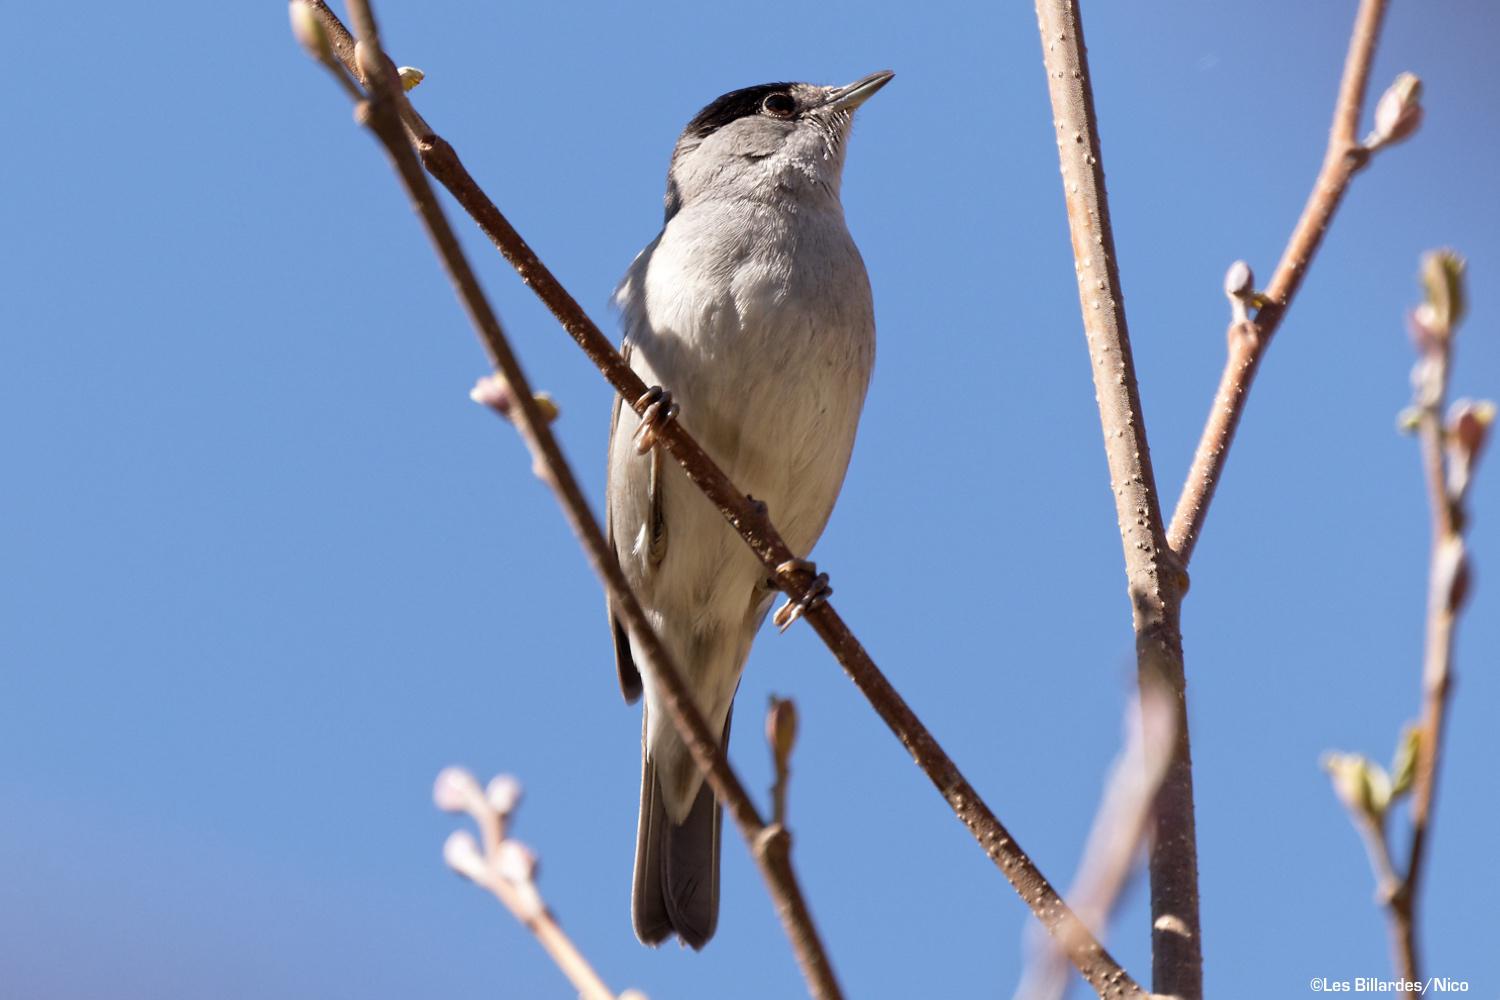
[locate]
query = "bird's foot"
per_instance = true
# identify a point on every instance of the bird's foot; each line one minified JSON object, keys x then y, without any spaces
{"x":818,"y":591}
{"x":655,"y":407}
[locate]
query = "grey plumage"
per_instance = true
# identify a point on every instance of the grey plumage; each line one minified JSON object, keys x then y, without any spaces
{"x":752,"y":308}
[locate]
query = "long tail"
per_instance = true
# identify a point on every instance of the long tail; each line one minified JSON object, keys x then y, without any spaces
{"x":676,"y":866}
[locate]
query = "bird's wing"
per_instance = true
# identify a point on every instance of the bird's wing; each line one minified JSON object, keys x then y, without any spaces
{"x":630,"y":675}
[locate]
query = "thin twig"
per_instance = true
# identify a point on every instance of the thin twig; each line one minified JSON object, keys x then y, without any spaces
{"x":382,"y":117}
{"x":1447,"y":588}
{"x":507,"y":869}
{"x":1120,"y":827}
{"x":756,"y":529}
{"x":1450,"y":453}
{"x":1248,"y":340}
{"x":1155,"y":582}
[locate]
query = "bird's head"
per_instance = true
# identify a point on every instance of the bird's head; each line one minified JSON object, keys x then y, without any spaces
{"x":789,"y":136}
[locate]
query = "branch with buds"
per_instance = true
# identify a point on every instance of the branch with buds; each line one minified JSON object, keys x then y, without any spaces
{"x":1255,"y":316}
{"x":379,"y":108}
{"x":329,"y":41}
{"x":1156,"y":558}
{"x":1155,"y":578}
{"x":507,"y":868}
{"x":1450,"y":451}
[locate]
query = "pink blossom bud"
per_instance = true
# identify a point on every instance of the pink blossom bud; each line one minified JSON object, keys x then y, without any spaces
{"x":1398,"y":112}
{"x":455,"y":790}
{"x":503,"y":794}
{"x":1469,"y":423}
{"x":515,"y":862}
{"x":493,"y":391}
{"x":461,"y":853}
{"x":1468,"y":429}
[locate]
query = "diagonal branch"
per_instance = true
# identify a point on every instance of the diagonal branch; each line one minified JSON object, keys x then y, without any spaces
{"x":1155,"y":581}
{"x":379,"y":113}
{"x":1097,"y":966}
{"x":1248,"y":340}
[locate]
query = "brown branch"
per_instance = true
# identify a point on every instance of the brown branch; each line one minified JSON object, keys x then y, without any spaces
{"x":1434,"y":325}
{"x":1248,"y":340}
{"x":507,"y":869}
{"x":380,"y":114}
{"x":1155,"y":582}
{"x":1450,"y":452}
{"x":1120,"y":827}
{"x":754,"y":526}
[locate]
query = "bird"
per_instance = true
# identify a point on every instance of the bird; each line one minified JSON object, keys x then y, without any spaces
{"x":751,"y":318}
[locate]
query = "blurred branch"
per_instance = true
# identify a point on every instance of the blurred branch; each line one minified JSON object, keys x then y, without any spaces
{"x":1397,"y":117}
{"x":1449,"y":456}
{"x":755,"y":527}
{"x":1120,"y":828}
{"x":1156,"y":581}
{"x":507,"y":868}
{"x":1450,"y":453}
{"x":379,"y":112}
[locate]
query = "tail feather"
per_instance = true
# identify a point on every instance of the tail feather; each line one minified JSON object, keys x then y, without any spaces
{"x":676,"y":867}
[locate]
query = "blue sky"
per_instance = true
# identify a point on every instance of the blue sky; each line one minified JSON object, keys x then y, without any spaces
{"x":267,"y":569}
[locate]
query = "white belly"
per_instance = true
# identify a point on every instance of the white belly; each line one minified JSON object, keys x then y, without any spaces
{"x":767,"y":348}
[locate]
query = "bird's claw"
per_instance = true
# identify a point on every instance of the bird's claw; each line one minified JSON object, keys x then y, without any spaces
{"x":818,"y":591}
{"x":655,"y":407}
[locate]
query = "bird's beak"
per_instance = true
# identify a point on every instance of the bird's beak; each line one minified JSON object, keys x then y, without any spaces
{"x":850,"y":97}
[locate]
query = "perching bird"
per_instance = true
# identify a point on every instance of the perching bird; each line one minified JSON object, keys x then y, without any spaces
{"x":752,"y":311}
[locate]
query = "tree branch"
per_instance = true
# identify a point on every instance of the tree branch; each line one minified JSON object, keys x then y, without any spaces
{"x":507,"y":869}
{"x":1449,"y":455}
{"x":380,"y":114}
{"x":1155,"y":582}
{"x":1121,"y":825}
{"x":1248,"y":339}
{"x":1096,"y":965}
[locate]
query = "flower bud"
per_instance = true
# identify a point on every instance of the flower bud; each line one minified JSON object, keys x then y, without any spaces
{"x":1399,"y":111}
{"x":503,"y":794}
{"x":515,"y":862}
{"x":1468,"y":429}
{"x":461,"y":853}
{"x":781,"y":729}
{"x":493,"y":391}
{"x":1361,"y":785}
{"x":1404,"y":765}
{"x":1239,"y":281}
{"x":1443,"y":282}
{"x":310,"y":32}
{"x":455,"y":790}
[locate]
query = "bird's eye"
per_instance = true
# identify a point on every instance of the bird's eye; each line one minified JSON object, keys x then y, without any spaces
{"x":779,"y":105}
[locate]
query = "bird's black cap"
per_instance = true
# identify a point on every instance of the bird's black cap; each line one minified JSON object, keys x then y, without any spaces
{"x":731,"y":107}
